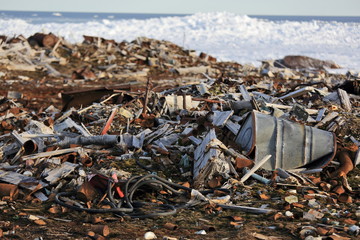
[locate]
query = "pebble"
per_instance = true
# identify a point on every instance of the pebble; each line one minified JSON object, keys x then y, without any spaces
{"x":291,"y":199}
{"x":289,"y":214}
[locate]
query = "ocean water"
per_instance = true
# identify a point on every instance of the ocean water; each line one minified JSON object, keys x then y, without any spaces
{"x":227,"y":36}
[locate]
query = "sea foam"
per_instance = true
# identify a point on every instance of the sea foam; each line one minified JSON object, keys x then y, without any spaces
{"x":227,"y":36}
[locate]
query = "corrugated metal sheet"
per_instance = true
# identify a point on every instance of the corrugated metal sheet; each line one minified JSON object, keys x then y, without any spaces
{"x":291,"y":145}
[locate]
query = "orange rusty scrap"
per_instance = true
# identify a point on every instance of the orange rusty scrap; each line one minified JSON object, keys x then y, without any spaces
{"x":101,"y":229}
{"x":109,"y":121}
{"x":346,"y":165}
{"x":86,"y":192}
{"x":9,"y":190}
{"x":243,"y":162}
{"x":345,"y":198}
{"x":170,"y":226}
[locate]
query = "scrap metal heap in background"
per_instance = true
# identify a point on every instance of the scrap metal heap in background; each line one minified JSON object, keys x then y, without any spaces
{"x":222,"y":127}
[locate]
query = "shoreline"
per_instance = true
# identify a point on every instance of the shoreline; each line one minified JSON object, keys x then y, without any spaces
{"x":223,"y":35}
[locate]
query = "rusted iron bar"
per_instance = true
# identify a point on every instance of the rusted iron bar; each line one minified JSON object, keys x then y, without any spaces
{"x":146,"y":96}
{"x":109,"y":121}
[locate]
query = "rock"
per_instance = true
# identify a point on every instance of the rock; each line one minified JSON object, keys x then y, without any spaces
{"x":299,"y":62}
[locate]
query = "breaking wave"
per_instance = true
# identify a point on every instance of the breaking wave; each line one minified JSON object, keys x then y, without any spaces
{"x":227,"y":36}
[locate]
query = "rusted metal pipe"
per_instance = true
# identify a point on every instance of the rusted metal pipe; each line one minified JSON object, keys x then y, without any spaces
{"x":29,"y":145}
{"x":146,"y":96}
{"x":108,"y":122}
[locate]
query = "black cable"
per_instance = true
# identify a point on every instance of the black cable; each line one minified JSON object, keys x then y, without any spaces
{"x":116,"y":208}
{"x":131,"y":186}
{"x":90,"y":210}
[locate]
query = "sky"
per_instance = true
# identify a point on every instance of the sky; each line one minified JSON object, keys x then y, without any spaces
{"x":248,"y":7}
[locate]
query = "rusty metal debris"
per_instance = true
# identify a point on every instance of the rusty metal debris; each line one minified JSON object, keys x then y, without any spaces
{"x":158,"y":130}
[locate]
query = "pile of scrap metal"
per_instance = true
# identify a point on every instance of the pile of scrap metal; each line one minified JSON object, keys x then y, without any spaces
{"x":220,"y":140}
{"x":108,"y":146}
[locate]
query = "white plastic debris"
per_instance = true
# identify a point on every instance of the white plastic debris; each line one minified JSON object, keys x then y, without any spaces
{"x":201,"y":232}
{"x":149,"y":235}
{"x":354,"y":230}
{"x":289,"y":214}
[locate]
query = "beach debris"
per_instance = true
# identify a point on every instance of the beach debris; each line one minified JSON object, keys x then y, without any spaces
{"x":147,"y":129}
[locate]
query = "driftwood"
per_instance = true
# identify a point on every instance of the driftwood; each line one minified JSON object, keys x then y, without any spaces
{"x":344,"y":99}
{"x":327,"y":119}
{"x":22,"y":67}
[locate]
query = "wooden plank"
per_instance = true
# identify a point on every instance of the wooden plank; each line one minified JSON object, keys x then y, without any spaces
{"x":327,"y":119}
{"x":344,"y":99}
{"x":22,"y":67}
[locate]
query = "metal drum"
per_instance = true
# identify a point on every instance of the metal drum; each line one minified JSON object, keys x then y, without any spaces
{"x":290,"y":144}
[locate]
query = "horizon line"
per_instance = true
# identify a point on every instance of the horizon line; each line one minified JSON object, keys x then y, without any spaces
{"x":243,"y":14}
